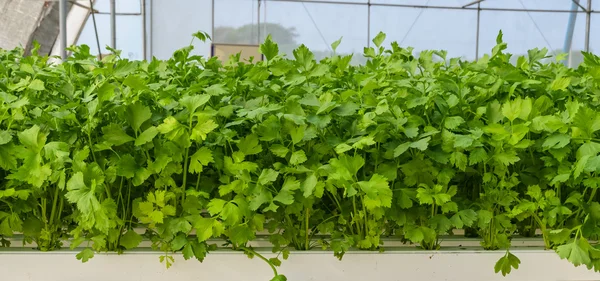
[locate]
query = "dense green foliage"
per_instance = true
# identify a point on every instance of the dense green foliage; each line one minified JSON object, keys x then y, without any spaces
{"x":318,"y":154}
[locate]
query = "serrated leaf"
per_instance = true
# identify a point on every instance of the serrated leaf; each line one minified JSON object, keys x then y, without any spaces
{"x":114,"y":135}
{"x":193,"y":102}
{"x":421,"y":144}
{"x":5,"y":137}
{"x":464,"y":218}
{"x":267,"y":176}
{"x":507,"y":158}
{"x":379,"y":38}
{"x":453,"y":122}
{"x":515,"y":108}
{"x":201,"y":130}
{"x":342,"y":147}
{"x":574,"y":253}
{"x":137,"y":114}
{"x":85,"y":255}
{"x":378,"y":192}
{"x":250,"y":145}
{"x":298,"y":157}
{"x":135,"y":82}
{"x":279,"y":150}
{"x":560,"y":83}
{"x":506,"y":263}
{"x":556,"y":141}
{"x":478,"y":155}
{"x":462,"y":141}
{"x":309,"y":184}
{"x":202,"y":157}
{"x":399,"y":150}
{"x":269,"y":48}
{"x":37,"y":85}
{"x":130,"y":240}
{"x":147,"y":136}
{"x":297,"y":134}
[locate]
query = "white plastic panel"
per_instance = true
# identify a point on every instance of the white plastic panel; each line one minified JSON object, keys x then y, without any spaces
{"x":536,"y":265}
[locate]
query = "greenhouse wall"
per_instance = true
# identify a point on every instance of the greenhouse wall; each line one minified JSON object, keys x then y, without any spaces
{"x":462,"y":28}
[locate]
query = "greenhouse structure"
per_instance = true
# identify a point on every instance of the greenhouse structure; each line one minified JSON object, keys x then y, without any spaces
{"x":300,"y":140}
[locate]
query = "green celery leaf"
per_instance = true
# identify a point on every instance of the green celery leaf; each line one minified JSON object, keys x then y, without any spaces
{"x":200,"y":132}
{"x":137,"y":114}
{"x":267,"y":176}
{"x":269,"y":48}
{"x":147,"y":136}
{"x":249,"y":145}
{"x":506,"y":263}
{"x":279,"y":150}
{"x":298,"y":157}
{"x":378,"y":192}
{"x":5,"y":137}
{"x":202,"y":157}
{"x":37,"y":85}
{"x":574,"y":253}
{"x":192,"y":102}
{"x":114,"y":135}
{"x":556,"y":141}
{"x":130,"y":240}
{"x":85,"y":255}
{"x":453,"y":122}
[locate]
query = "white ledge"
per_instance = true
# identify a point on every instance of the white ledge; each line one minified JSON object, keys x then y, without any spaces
{"x":227,"y":265}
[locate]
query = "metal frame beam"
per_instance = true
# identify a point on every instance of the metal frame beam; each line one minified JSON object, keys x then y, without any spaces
{"x":62,"y":9}
{"x":473,"y":3}
{"x":430,"y":7}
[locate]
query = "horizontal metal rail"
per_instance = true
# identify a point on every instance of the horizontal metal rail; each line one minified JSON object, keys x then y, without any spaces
{"x":432,"y":7}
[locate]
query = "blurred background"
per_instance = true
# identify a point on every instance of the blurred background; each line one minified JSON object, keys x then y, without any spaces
{"x":143,"y":29}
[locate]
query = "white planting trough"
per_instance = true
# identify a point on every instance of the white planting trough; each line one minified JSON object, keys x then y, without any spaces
{"x":400,"y":264}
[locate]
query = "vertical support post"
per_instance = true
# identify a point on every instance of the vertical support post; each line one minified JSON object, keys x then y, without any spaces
{"x":477,"y":32}
{"x":265,"y":32}
{"x":150,"y":29}
{"x":368,"y":23}
{"x":113,"y":24}
{"x":212,"y":32}
{"x":62,"y":9}
{"x":144,"y":32}
{"x":588,"y":20}
{"x":258,"y":22}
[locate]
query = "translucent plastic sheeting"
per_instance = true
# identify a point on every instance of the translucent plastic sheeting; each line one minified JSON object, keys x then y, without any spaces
{"x":595,"y":34}
{"x":236,"y":21}
{"x":121,"y":6}
{"x":428,"y":29}
{"x":445,"y":3}
{"x":129,"y":35}
{"x":317,"y":26}
{"x":172,"y":24}
{"x":532,"y":4}
{"x":523,"y":31}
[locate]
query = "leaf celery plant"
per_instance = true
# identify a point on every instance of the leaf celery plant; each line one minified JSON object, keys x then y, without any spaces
{"x":314,"y":153}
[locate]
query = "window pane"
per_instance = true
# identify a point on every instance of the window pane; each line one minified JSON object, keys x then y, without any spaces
{"x":428,"y":29}
{"x":129,"y":36}
{"x":121,"y":6}
{"x":523,"y":31}
{"x":236,"y":21}
{"x":317,"y":25}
